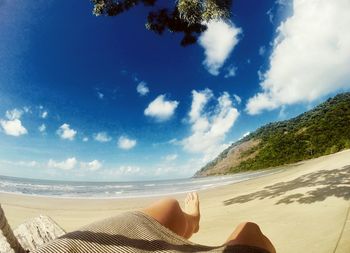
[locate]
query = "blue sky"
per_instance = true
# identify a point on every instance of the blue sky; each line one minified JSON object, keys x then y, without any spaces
{"x":102,"y":98}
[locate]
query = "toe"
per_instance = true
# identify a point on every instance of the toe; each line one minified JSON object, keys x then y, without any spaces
{"x":194,"y":196}
{"x":188,"y":197}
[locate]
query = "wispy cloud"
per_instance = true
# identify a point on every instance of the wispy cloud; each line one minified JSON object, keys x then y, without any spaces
{"x":161,"y":109}
{"x":27,"y":109}
{"x":173,"y":141}
{"x":42,"y":128}
{"x":170,"y":157}
{"x":100,"y":95}
{"x":31,"y":163}
{"x":102,"y":137}
{"x":14,"y":114}
{"x":129,"y":170}
{"x":124,"y":171}
{"x":262,"y":50}
{"x":231,"y":71}
{"x":237,"y":98}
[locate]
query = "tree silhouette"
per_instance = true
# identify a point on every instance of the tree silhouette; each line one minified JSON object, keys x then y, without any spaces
{"x":188,"y":16}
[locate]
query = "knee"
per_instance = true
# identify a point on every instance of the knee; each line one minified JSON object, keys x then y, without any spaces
{"x":171,"y":203}
{"x":251,"y":226}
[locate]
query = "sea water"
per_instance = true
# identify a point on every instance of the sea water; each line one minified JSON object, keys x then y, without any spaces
{"x":119,"y":189}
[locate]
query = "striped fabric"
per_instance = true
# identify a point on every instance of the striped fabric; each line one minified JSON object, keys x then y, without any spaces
{"x":131,"y":232}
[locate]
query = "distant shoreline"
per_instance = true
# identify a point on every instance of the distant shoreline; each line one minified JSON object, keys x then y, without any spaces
{"x":211,"y":182}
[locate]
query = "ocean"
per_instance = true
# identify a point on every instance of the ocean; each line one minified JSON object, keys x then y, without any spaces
{"x":70,"y":189}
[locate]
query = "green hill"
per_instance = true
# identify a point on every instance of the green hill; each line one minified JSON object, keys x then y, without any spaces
{"x":321,"y":131}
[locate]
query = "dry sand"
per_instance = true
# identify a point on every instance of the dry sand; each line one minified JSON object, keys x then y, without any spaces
{"x":302,"y":208}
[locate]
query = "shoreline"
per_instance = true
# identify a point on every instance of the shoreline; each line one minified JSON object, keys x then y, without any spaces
{"x":261,"y":173}
{"x":292,"y":207}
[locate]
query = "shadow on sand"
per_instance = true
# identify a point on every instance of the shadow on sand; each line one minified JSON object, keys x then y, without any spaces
{"x":327,"y":182}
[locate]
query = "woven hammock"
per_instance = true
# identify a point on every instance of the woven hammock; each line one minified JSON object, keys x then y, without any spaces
{"x":9,"y":235}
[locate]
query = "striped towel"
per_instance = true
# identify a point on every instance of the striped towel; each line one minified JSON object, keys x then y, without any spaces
{"x":131,"y":232}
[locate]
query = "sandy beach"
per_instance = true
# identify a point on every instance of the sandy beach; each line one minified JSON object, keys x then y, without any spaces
{"x":301,"y":208}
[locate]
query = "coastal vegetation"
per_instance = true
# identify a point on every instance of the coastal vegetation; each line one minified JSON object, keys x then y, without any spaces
{"x":321,"y":131}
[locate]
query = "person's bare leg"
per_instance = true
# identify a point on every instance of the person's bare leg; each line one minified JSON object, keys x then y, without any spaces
{"x":249,"y":233}
{"x":169,"y":213}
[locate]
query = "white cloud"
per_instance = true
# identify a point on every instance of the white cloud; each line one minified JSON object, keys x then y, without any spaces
{"x":65,"y":132}
{"x":92,"y":166}
{"x":161,"y":109}
{"x":13,"y":127}
{"x":44,"y":114}
{"x":102,"y":137}
{"x":68,"y":164}
{"x":85,"y":139}
{"x":231,"y":71}
{"x":142,"y":88}
{"x":210,"y":127}
{"x":72,"y":163}
{"x":218,"y":41}
{"x":126,"y":143}
{"x":170,"y":157}
{"x":311,"y":56}
{"x":42,"y":128}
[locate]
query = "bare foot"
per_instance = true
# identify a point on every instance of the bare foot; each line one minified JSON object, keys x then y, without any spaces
{"x":192,"y":209}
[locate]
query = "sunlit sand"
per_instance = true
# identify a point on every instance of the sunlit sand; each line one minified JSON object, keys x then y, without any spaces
{"x":302,"y":208}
